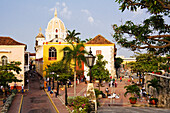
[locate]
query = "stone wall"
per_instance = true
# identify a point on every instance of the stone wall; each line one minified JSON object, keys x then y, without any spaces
{"x":164,"y":92}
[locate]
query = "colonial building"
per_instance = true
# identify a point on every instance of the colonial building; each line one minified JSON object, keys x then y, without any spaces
{"x":100,"y":45}
{"x":11,"y":50}
{"x":48,"y":48}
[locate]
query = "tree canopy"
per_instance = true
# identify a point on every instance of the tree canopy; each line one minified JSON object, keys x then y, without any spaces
{"x":118,"y":62}
{"x":99,"y":70}
{"x":7,"y":73}
{"x":152,"y":34}
{"x":148,"y":62}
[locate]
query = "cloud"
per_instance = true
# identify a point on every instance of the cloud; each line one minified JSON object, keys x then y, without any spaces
{"x":90,"y":19}
{"x":51,"y":9}
{"x":85,"y":11}
{"x":88,"y":14}
{"x":65,"y":12}
{"x":64,"y":4}
{"x":62,"y":9}
{"x":57,"y":3}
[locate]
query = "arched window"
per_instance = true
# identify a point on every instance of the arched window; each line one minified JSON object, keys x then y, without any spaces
{"x":4,"y":60}
{"x":52,"y":54}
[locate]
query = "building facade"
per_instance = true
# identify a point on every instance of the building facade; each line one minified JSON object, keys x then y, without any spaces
{"x":11,"y":50}
{"x":48,"y":48}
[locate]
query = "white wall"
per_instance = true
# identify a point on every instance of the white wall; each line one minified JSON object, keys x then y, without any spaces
{"x":108,"y":53}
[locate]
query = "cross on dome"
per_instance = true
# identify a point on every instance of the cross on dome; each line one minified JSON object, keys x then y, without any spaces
{"x":55,"y":13}
{"x":40,"y":30}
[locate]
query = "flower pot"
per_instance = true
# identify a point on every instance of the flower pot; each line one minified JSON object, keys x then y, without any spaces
{"x":153,"y":101}
{"x":133,"y":100}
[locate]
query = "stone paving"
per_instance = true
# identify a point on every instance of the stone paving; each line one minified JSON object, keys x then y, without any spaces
{"x":107,"y":105}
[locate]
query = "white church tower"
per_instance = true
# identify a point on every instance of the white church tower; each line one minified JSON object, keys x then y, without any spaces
{"x":56,"y":31}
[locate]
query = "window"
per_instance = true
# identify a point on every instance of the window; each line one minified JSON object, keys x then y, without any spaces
{"x":4,"y":60}
{"x":56,"y":36}
{"x":26,"y":59}
{"x":98,"y":52}
{"x":52,"y":54}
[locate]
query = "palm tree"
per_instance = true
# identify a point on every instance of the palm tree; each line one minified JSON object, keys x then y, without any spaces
{"x":155,"y":84}
{"x":132,"y":89}
{"x":75,"y":53}
{"x":72,"y":36}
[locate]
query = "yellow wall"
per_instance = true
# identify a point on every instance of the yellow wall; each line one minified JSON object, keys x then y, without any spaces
{"x":60,"y":53}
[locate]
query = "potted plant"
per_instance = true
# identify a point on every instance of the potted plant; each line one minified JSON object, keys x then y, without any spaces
{"x":132,"y":89}
{"x":155,"y":84}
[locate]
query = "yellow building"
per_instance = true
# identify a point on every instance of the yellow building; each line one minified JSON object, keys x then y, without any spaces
{"x":48,"y":47}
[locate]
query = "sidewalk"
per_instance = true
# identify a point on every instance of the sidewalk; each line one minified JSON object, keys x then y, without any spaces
{"x":60,"y":100}
{"x":81,"y":90}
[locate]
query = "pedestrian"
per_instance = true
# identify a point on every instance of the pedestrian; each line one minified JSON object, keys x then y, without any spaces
{"x":120,"y":78}
{"x":51,"y":93}
{"x":22,"y":88}
{"x":15,"y":85}
{"x":77,"y":81}
{"x":107,"y":91}
{"x":27,"y":81}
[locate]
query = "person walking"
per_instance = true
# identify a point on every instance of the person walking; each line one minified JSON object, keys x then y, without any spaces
{"x":51,"y":93}
{"x":22,"y":88}
{"x":107,"y":91}
{"x":120,"y":78}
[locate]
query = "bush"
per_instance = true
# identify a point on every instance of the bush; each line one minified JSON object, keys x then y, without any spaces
{"x":81,"y":104}
{"x":97,"y":92}
{"x":70,"y":100}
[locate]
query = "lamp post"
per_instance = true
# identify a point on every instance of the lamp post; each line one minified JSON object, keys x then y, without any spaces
{"x":53,"y":79}
{"x":57,"y":86}
{"x":90,"y":88}
{"x":90,"y":62}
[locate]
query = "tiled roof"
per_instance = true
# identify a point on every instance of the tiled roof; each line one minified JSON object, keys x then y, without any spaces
{"x":9,"y":41}
{"x":99,"y":40}
{"x":40,"y":35}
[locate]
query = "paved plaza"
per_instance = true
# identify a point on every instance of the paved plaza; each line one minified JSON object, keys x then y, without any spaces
{"x":37,"y":101}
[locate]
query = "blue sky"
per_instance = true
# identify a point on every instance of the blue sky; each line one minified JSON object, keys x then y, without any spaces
{"x":21,"y":19}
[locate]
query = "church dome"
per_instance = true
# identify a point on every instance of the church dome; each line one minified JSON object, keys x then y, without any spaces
{"x":55,"y":29}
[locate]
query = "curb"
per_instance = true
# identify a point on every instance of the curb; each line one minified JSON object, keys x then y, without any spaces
{"x":52,"y":102}
{"x":19,"y":111}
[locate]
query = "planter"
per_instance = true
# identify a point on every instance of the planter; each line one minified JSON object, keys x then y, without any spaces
{"x":153,"y":101}
{"x":133,"y":100}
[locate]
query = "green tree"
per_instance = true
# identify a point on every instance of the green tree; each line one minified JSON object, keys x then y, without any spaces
{"x":147,"y":63}
{"x":75,"y":53}
{"x":118,"y":62}
{"x":155,"y":83}
{"x":7,"y":73}
{"x":72,"y":36}
{"x":152,"y":34}
{"x":99,"y":70}
{"x":60,"y":71}
{"x":132,"y":89}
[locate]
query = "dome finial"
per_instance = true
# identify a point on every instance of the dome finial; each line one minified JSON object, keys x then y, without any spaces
{"x":55,"y":13}
{"x":40,"y":30}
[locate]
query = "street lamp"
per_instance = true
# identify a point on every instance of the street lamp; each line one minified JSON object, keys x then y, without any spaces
{"x":53,"y":79}
{"x":90,"y":62}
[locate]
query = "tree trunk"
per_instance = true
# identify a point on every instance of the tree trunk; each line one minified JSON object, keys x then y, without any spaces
{"x":100,"y":83}
{"x":57,"y":88}
{"x":117,"y":73}
{"x":66,"y":94}
{"x":74,"y":81}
